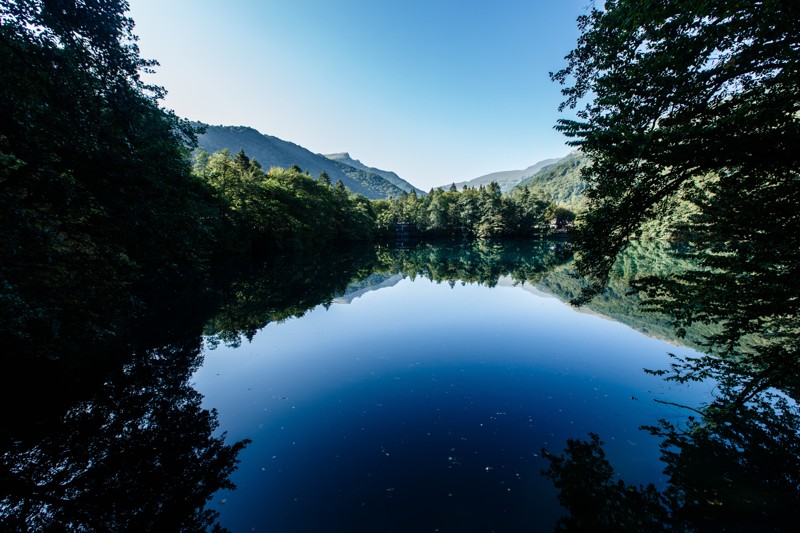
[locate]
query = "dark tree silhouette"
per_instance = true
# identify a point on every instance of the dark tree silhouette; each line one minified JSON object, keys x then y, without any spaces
{"x":141,"y":454}
{"x":679,"y":97}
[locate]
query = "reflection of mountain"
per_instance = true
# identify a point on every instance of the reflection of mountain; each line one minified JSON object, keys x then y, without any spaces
{"x":508,"y":281}
{"x":543,"y":268}
{"x":373,"y":282}
{"x":614,"y":305}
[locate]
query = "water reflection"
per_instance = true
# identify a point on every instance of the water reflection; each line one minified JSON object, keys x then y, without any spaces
{"x":283,"y":288}
{"x":124,"y":442}
{"x":733,"y":463}
{"x":481,"y":262}
{"x":425,"y":404}
{"x":288,"y":288}
{"x":115,"y":438}
{"x":140,"y":454}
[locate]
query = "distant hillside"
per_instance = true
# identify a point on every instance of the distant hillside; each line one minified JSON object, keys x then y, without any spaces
{"x":507,"y":179}
{"x":389,"y":176}
{"x":562,"y":181}
{"x":274,"y":152}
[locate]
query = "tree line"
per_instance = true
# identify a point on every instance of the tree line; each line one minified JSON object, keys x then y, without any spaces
{"x":280,"y":209}
{"x":483,"y":213}
{"x":283,"y":209}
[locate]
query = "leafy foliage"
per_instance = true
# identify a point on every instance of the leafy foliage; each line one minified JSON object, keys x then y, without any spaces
{"x":483,"y":213}
{"x":97,"y":204}
{"x":693,"y":124}
{"x":677,"y":91}
{"x":282,"y":209}
{"x":744,"y":244}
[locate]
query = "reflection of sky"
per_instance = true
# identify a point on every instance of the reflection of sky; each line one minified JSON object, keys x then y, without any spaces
{"x":422,"y":398}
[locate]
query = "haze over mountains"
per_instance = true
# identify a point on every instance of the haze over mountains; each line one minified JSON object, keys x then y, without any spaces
{"x":558,"y":178}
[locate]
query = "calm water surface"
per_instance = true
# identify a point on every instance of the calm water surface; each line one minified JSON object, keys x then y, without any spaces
{"x":412,"y":405}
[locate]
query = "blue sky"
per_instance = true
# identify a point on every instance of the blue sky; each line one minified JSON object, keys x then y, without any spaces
{"x":437,"y":91}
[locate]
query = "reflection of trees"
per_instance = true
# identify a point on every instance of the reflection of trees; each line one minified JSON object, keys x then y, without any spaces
{"x":292,"y":286}
{"x":139,"y":455}
{"x":733,"y":463}
{"x":595,"y":501}
{"x":284,"y":288}
{"x":477,"y":261}
{"x":738,"y":461}
{"x":121,"y":441}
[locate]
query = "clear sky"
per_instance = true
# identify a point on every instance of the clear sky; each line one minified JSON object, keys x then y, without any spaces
{"x":435,"y":90}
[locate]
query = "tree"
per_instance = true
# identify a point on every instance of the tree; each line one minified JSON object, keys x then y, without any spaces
{"x":98,"y":206}
{"x":564,"y":217}
{"x":493,"y":221}
{"x":242,"y":161}
{"x":324,"y":178}
{"x":468,"y":210}
{"x":282,"y":208}
{"x":675,"y":91}
{"x":533,"y":210}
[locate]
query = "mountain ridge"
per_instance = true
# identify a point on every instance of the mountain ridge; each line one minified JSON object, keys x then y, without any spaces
{"x":271,"y":151}
{"x":388,"y":175}
{"x":558,"y":178}
{"x":506,"y":179}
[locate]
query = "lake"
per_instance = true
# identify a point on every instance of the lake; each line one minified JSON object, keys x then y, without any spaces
{"x":433,"y":387}
{"x":421,"y":398}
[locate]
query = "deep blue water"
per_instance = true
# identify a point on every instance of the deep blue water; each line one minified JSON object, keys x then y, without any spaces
{"x":425,"y":407}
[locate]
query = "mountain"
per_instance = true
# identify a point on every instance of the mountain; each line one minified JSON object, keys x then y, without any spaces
{"x":389,"y":176}
{"x":271,"y":151}
{"x":562,"y":181}
{"x":507,"y":179}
